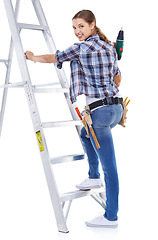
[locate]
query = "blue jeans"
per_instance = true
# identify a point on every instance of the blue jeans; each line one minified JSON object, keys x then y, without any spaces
{"x":104,"y":119}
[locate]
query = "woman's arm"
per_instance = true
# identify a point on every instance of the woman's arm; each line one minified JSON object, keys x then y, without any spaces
{"x":48,"y":58}
{"x":117,"y":80}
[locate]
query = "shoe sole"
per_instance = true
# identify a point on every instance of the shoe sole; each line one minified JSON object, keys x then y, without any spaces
{"x":101,"y":226}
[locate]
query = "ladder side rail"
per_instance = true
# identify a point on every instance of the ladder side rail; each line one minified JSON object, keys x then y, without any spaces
{"x":5,"y":90}
{"x":43,"y":22}
{"x":55,"y":199}
{"x":52,"y":49}
{"x":7,"y":77}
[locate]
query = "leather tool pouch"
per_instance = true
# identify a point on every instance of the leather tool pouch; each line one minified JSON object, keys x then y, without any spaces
{"x":125,"y":110}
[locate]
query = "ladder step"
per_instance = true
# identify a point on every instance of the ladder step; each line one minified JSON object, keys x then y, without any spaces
{"x":69,"y":158}
{"x":51,"y":90}
{"x":45,"y":85}
{"x":32,"y":26}
{"x":78,"y":194}
{"x":61,"y":124}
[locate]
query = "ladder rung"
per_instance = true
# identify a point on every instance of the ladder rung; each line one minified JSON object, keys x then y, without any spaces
{"x":78,"y":194}
{"x":32,"y":26}
{"x":51,"y":90}
{"x":13,"y":85}
{"x":61,"y":124}
{"x":69,"y":158}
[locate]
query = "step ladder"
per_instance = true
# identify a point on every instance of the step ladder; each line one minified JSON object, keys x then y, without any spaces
{"x":58,"y":201}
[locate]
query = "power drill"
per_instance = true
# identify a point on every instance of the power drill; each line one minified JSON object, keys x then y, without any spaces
{"x":119,"y":43}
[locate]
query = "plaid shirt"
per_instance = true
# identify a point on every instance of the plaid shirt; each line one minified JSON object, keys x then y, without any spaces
{"x":93,"y":65}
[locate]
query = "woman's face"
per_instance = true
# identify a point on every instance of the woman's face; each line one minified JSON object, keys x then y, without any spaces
{"x":82,"y":29}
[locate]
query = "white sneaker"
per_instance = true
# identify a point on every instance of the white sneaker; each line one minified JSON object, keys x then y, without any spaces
{"x":101,"y":221}
{"x":89,"y":184}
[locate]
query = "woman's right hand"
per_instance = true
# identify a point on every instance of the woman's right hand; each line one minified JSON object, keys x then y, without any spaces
{"x":47,"y":58}
{"x":29,"y":55}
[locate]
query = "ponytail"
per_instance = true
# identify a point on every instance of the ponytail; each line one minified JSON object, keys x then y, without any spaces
{"x":101,"y":35}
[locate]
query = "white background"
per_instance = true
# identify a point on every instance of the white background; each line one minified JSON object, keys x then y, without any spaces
{"x":25,"y":206}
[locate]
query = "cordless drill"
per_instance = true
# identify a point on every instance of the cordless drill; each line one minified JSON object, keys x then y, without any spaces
{"x":119,"y":44}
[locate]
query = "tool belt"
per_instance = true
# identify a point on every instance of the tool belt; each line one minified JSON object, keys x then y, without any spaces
{"x":87,"y":120}
{"x":111,"y":101}
{"x":105,"y":101}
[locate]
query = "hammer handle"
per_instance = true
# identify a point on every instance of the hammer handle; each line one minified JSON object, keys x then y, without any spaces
{"x":94,"y":137}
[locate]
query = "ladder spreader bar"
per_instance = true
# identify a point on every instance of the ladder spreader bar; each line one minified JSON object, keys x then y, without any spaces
{"x":61,"y":124}
{"x":4,"y":61}
{"x":32,"y":27}
{"x":69,"y":158}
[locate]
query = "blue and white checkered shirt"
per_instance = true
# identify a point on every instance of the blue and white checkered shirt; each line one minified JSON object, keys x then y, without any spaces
{"x":93,"y":66}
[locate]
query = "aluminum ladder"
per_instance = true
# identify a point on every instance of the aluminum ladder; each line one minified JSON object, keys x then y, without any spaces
{"x":58,"y":201}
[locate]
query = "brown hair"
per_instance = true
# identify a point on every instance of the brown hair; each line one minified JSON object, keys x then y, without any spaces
{"x":89,"y":17}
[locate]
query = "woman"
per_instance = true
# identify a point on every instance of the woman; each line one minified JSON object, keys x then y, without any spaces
{"x":95,"y":73}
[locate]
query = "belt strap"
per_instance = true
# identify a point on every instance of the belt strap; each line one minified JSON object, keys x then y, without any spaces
{"x":105,"y":101}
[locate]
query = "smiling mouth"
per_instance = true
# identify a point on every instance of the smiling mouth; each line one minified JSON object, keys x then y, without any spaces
{"x":79,"y":35}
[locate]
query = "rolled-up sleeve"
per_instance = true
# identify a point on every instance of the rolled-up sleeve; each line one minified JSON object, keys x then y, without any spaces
{"x":116,"y":70}
{"x":70,"y":54}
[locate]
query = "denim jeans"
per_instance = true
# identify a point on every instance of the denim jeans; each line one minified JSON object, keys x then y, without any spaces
{"x":104,"y":119}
